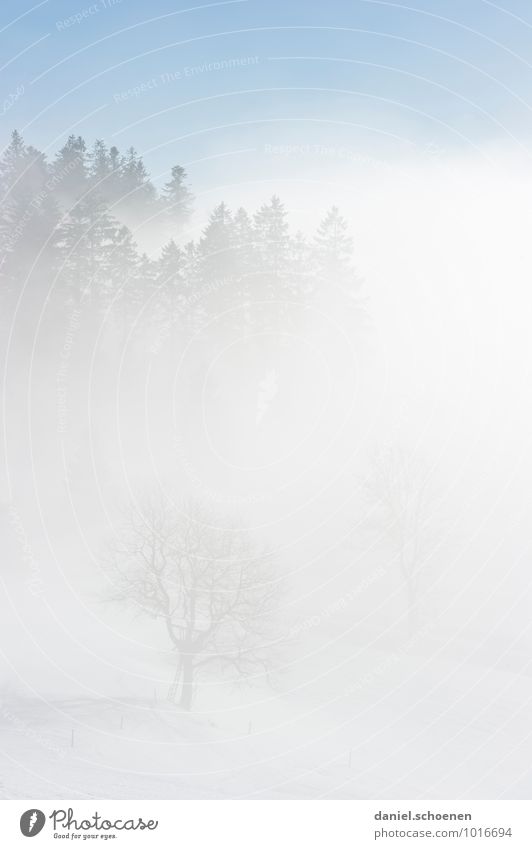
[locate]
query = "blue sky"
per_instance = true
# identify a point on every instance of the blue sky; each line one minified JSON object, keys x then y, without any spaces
{"x":361,"y":76}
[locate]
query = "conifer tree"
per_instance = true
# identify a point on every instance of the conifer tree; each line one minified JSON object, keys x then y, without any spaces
{"x":271,"y":235}
{"x":137,"y":192}
{"x":177,"y":199}
{"x":300,"y":283}
{"x":333,"y":251}
{"x":244,"y":242}
{"x":28,"y":213}
{"x":11,"y":168}
{"x":100,"y":168}
{"x":116,"y":162}
{"x":88,"y":237}
{"x":216,"y":253}
{"x":122,"y":285}
{"x":70,"y":173}
{"x":170,"y":277}
{"x":246,"y":264}
{"x":11,"y":162}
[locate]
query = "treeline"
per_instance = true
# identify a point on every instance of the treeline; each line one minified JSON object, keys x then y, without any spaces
{"x":66,"y":235}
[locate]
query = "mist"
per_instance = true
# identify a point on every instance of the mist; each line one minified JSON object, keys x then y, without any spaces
{"x":337,"y":407}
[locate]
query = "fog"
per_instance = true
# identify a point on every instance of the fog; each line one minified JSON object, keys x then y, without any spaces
{"x":355,"y":429}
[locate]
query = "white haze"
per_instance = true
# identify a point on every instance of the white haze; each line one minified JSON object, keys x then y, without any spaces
{"x":430,"y":358}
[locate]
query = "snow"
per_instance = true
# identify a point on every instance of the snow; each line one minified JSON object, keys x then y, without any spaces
{"x":412,"y":730}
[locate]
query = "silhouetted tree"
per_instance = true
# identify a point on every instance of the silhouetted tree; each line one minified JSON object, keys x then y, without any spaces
{"x":74,"y":215}
{"x":100,"y":166}
{"x":89,"y":235}
{"x":272,"y":243}
{"x":211,"y":587}
{"x":123,"y":274}
{"x":216,"y":250}
{"x":177,"y":199}
{"x":246,"y":265}
{"x":70,"y":173}
{"x":28,"y":214}
{"x":137,"y":193}
{"x":333,"y":251}
{"x":399,"y":486}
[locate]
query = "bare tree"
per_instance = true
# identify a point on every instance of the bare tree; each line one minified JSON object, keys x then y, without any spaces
{"x":206,"y":581}
{"x":399,"y":485}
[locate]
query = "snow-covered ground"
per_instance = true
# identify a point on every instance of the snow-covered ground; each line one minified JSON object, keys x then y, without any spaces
{"x":405,"y":728}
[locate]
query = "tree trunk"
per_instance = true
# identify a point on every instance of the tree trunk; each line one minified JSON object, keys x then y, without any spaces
{"x":172,"y":690}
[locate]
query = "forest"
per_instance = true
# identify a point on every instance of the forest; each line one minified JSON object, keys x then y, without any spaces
{"x":241,"y":504}
{"x":89,"y":227}
{"x":92,"y":250}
